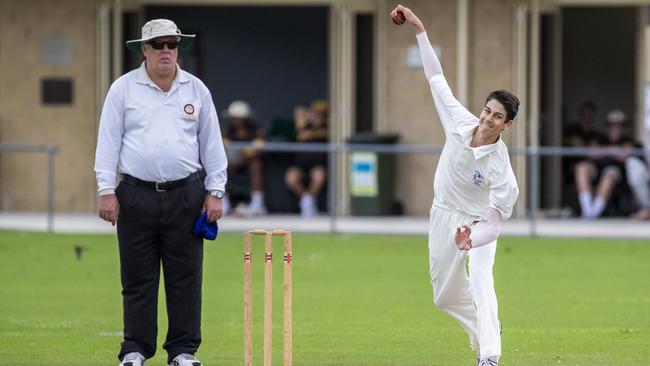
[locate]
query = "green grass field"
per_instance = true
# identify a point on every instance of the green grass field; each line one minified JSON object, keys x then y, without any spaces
{"x":358,"y":300}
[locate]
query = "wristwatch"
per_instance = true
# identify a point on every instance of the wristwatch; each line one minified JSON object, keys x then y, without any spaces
{"x":217,"y":193}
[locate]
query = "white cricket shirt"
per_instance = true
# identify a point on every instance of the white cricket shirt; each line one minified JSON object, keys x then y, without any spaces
{"x":470,"y":179}
{"x":159,"y":136}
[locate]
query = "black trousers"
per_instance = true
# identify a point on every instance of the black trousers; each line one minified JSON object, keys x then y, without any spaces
{"x":154,"y":228}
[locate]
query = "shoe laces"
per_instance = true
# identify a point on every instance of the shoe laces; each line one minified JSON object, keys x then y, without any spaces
{"x":487,"y":362}
{"x":133,"y":356}
{"x":186,"y":357}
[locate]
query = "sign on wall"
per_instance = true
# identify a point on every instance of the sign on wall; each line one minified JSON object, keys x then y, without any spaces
{"x":364,"y":174}
{"x":57,"y":50}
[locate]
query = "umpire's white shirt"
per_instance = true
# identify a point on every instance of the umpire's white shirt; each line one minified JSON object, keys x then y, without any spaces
{"x":159,"y":136}
{"x":470,"y":179}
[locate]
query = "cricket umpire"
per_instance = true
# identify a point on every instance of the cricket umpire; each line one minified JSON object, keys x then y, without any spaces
{"x":159,"y":130}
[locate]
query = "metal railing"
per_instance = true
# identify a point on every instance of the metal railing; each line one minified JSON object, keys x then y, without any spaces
{"x":533,"y":154}
{"x":50,"y":150}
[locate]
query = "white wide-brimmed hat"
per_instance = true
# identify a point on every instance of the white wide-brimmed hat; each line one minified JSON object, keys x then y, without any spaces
{"x":238,"y":109}
{"x":160,"y":28}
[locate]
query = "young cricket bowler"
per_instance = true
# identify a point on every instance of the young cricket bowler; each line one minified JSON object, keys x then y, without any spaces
{"x":475,"y":189}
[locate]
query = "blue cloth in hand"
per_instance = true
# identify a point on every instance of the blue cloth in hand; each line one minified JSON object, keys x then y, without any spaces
{"x":205,"y":229}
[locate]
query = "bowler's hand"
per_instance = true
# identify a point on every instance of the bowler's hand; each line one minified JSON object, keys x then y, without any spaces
{"x":463,"y":242}
{"x":214,"y":207}
{"x":410,"y":17}
{"x":109,"y":208}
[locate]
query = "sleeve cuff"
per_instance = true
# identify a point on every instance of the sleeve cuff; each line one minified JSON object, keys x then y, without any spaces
{"x":107,"y":191}
{"x":422,"y":37}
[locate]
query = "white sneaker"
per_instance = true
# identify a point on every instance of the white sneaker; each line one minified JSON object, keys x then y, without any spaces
{"x":308,"y":206}
{"x":133,"y":359}
{"x":257,"y":203}
{"x":185,"y":359}
{"x":257,"y":210}
{"x":242,"y":210}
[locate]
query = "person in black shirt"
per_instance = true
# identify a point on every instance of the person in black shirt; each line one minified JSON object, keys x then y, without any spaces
{"x":311,"y":126}
{"x":605,"y":171}
{"x":247,"y":161}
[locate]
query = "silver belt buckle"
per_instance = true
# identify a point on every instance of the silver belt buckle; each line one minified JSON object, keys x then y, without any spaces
{"x":160,"y":189}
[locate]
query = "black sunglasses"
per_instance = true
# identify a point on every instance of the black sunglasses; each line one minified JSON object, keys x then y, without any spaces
{"x":158,"y":45}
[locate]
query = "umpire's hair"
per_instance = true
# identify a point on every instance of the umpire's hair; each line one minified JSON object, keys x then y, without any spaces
{"x":509,"y":101}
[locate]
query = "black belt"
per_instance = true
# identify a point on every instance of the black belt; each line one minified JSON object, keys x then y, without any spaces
{"x":159,"y":186}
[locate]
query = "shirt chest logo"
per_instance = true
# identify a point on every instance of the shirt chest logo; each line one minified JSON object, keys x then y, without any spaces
{"x":188,"y":110}
{"x":477,"y":178}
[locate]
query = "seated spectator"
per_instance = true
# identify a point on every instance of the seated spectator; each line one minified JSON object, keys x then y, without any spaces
{"x":307,"y":176}
{"x":605,"y":171}
{"x":583,"y":132}
{"x":580,"y":133}
{"x":638,"y":178}
{"x":248,"y":161}
{"x":635,"y":167}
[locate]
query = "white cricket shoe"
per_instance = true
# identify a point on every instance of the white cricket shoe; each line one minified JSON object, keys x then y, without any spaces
{"x":133,"y":359}
{"x":185,"y":359}
{"x":486,"y":362}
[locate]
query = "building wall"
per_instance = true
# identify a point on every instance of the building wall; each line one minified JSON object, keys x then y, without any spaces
{"x":491,"y":49}
{"x":24,"y":26}
{"x":410,"y":110}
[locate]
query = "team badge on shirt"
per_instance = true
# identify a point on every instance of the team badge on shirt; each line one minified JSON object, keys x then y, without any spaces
{"x":189,"y":114}
{"x":477,"y":178}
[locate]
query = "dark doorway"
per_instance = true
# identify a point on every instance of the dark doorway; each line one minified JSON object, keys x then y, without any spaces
{"x":273,"y":57}
{"x":599,"y":59}
{"x":550,"y":121}
{"x":598,"y":65}
{"x":365,"y":86}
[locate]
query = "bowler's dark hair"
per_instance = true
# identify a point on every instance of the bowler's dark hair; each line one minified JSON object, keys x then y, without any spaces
{"x":509,"y":101}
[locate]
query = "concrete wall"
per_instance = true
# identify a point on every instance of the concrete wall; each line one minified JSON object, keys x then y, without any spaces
{"x":410,"y":110}
{"x":491,"y":49}
{"x":24,"y":26}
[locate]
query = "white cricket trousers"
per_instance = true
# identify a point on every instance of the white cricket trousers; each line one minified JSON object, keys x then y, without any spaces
{"x":471,"y":300}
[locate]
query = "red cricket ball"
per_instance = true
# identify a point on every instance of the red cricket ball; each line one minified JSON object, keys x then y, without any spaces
{"x":399,"y":18}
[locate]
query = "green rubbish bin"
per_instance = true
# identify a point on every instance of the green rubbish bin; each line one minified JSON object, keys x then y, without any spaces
{"x":372,"y":176}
